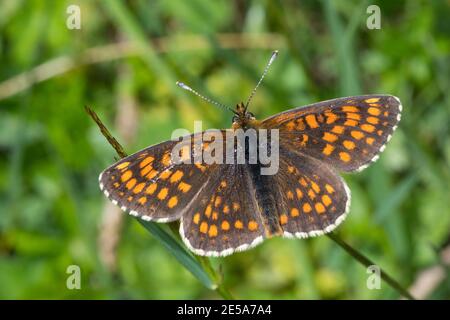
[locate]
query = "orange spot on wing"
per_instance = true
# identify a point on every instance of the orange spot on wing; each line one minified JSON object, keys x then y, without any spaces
{"x":374,"y":111}
{"x":223,"y":184}
{"x":372,"y":100}
{"x":163,"y":193}
{"x":305,"y":138}
{"x":146,"y":161}
{"x":319,"y":207}
{"x":311,"y":121}
{"x":146,"y":170}
{"x":130,"y":184}
{"x":303,"y":182}
{"x":142,"y":200}
{"x":151,"y":188}
{"x":338,"y":129}
{"x":126,"y":175}
{"x":203,"y":227}
{"x":353,"y":116}
{"x":299,"y":193}
{"x":331,"y":117}
{"x":152,"y":174}
{"x":328,"y":149}
{"x":173,"y":201}
{"x":370,"y":140}
{"x":315,"y":187}
{"x":294,"y":212}
{"x":326,"y":200}
{"x":238,"y":224}
{"x":380,"y":132}
{"x":139,"y":187}
{"x":218,"y":201}
{"x":290,"y":195}
{"x":307,"y":208}
{"x":208,"y":211}
{"x":351,"y":123}
{"x":196,"y":218}
{"x":236,"y":206}
{"x":166,"y":161}
{"x":350,"y":109}
{"x":350,"y":145}
{"x":123,"y":165}
{"x":368,"y":127}
{"x":357,"y":134}
{"x":329,"y":137}
{"x":252,"y":225}
{"x":329,"y":188}
{"x":283,"y":219}
{"x":176,"y":176}
{"x":226,"y":209}
{"x":184,"y":187}
{"x":212,"y":231}
{"x":344,"y":156}
{"x":165,"y":174}
{"x":372,"y":120}
{"x":290,"y":126}
{"x":311,"y":194}
{"x":225,"y":226}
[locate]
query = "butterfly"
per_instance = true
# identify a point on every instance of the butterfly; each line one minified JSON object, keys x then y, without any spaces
{"x":230,"y":207}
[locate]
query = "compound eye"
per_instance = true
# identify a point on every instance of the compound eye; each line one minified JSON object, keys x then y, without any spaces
{"x":251,"y":115}
{"x":234,"y":119}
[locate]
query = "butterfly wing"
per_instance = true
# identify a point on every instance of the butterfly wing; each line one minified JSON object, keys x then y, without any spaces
{"x":312,"y":198}
{"x":225,"y":217}
{"x":153,"y":185}
{"x":347,"y":133}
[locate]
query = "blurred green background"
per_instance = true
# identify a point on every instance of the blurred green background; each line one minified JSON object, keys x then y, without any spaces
{"x":124,"y":62}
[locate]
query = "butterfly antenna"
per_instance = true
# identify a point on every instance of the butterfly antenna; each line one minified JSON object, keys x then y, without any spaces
{"x":266,"y":69}
{"x":217,"y":104}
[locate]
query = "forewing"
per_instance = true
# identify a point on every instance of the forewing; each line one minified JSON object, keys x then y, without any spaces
{"x":152,"y":185}
{"x":347,"y":133}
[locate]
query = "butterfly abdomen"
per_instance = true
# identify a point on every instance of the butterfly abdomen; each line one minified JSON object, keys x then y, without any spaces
{"x":265,"y":198}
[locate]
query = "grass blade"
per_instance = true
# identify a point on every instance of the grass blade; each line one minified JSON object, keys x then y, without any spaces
{"x":367,"y":262}
{"x":180,"y":253}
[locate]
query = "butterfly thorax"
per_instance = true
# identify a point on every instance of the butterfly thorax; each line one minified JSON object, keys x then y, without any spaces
{"x":244,"y":119}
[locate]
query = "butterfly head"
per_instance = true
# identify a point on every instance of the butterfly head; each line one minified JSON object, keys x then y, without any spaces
{"x":243,"y":118}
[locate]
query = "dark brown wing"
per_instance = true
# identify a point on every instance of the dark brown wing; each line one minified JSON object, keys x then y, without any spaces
{"x":312,"y":198}
{"x":154,"y":183}
{"x":347,"y":133}
{"x":224,"y":218}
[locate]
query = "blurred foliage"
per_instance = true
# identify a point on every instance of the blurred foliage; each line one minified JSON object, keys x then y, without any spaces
{"x":51,"y":152}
